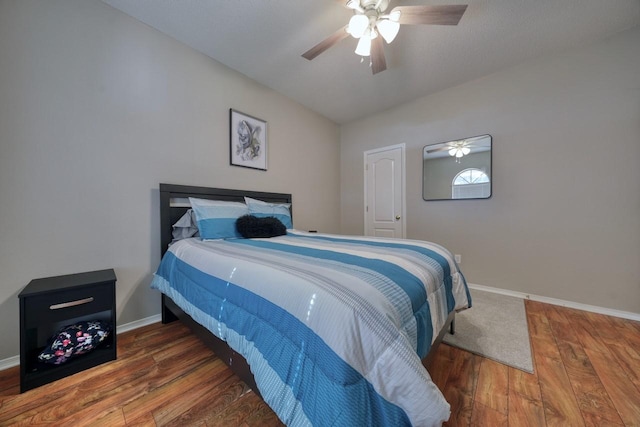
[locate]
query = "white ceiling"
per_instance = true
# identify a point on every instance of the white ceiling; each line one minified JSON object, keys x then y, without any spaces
{"x":263,"y":39}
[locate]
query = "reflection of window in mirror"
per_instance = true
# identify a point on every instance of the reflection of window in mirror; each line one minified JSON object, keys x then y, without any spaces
{"x":458,"y":169}
{"x":470,"y":183}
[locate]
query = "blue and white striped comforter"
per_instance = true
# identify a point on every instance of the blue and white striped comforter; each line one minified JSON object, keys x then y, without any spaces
{"x":333,"y":327}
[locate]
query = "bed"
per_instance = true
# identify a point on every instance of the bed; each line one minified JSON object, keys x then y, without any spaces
{"x":328,"y":329}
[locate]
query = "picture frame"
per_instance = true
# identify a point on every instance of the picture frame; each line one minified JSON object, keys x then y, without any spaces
{"x":247,"y":141}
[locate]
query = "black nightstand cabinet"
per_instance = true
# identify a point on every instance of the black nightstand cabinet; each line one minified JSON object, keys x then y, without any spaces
{"x":48,"y":304}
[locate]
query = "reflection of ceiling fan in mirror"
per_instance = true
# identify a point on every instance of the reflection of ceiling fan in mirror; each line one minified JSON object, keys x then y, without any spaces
{"x":461,"y":147}
{"x":370,"y":20}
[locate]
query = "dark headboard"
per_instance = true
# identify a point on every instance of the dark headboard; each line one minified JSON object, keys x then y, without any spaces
{"x":170,"y":211}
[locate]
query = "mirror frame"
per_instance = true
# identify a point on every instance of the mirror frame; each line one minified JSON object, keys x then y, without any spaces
{"x":442,"y":146}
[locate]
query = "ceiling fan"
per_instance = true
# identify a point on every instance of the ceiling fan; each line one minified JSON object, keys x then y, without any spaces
{"x":370,"y":20}
{"x":455,"y":148}
{"x":462,"y":147}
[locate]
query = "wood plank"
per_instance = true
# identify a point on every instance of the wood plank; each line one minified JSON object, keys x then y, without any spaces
{"x":145,"y":420}
{"x":87,"y":403}
{"x":541,"y":333}
{"x":594,"y":403}
{"x":180,"y":410}
{"x":439,"y":369}
{"x":9,"y":382}
{"x":525,"y":411}
{"x":619,"y":387}
{"x":535,"y":307}
{"x":525,"y":399}
{"x":165,"y":392}
{"x":593,"y":400}
{"x":559,"y":402}
{"x":262,"y":415}
{"x":113,"y":418}
{"x":207,"y":405}
{"x":45,"y":400}
{"x":634,"y":325}
{"x":486,"y":416}
{"x":525,"y":384}
{"x":543,"y":342}
{"x":492,"y":390}
{"x":623,"y":334}
{"x":623,"y":393}
{"x":623,"y":344}
{"x":560,"y":325}
{"x":243,"y":411}
{"x":461,"y":385}
{"x":628,"y":359}
{"x":151,"y":337}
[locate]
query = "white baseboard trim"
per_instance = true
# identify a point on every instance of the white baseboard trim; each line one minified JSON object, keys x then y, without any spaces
{"x":12,"y":361}
{"x":9,"y":362}
{"x":139,"y":323}
{"x":563,"y":303}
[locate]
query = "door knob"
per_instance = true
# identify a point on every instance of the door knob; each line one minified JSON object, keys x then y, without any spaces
{"x":397,"y":217}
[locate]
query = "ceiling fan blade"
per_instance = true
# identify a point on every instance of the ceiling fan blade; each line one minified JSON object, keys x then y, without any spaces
{"x":435,"y":150}
{"x":326,"y":43}
{"x":378,"y":63}
{"x":434,"y":15}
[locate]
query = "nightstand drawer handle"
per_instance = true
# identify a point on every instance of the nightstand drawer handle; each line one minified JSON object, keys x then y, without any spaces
{"x":70,"y":303}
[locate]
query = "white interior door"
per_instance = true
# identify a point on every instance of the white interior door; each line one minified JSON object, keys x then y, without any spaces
{"x":384,"y":192}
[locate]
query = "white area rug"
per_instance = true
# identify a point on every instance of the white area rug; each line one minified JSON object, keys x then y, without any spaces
{"x":494,"y":327}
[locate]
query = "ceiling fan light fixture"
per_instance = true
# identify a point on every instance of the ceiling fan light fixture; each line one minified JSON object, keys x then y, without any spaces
{"x":364,"y":46}
{"x":354,"y":4}
{"x":388,"y":29}
{"x":358,"y":24}
{"x":459,"y":149}
{"x":395,"y":15}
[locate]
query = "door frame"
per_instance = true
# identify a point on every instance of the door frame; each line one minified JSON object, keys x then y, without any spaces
{"x":403,"y":192}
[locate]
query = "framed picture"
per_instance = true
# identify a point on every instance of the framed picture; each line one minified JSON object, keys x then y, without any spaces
{"x":248,"y":141}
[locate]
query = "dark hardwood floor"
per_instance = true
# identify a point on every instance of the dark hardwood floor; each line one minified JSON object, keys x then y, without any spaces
{"x":587,"y":373}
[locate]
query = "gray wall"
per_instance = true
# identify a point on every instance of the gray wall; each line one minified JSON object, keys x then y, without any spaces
{"x":96,"y":109}
{"x":564,"y":218}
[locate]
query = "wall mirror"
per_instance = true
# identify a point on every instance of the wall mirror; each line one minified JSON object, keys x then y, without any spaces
{"x":459,"y":169}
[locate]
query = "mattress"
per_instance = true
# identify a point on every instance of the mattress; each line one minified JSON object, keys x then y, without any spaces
{"x":333,"y":327}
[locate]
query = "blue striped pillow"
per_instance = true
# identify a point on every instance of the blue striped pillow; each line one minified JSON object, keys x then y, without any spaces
{"x":216,"y":218}
{"x":262,"y":209}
